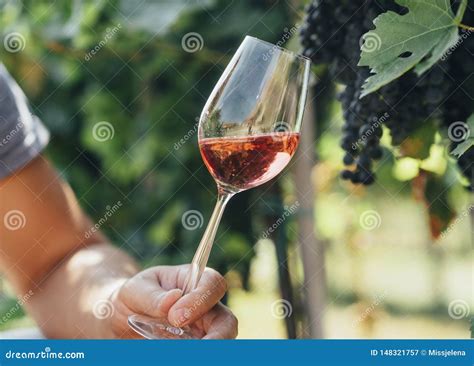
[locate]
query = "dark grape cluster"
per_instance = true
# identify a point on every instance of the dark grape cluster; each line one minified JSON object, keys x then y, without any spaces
{"x":361,"y":133}
{"x":322,"y":33}
{"x":332,"y":35}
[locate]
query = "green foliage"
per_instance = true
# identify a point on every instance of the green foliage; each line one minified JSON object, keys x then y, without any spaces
{"x":400,"y":43}
{"x":466,"y":145}
{"x":157,"y":17}
{"x":141,"y":81}
{"x":10,"y":310}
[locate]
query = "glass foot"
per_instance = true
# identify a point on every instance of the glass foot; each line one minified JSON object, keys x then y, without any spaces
{"x":153,"y":328}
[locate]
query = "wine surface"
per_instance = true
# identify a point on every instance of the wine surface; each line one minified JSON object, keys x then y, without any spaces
{"x":240,"y":163}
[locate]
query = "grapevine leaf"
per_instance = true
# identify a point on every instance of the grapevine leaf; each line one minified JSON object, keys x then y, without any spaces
{"x":463,"y":147}
{"x":466,"y":145}
{"x":400,"y":43}
{"x":432,"y":190}
{"x":470,"y":124}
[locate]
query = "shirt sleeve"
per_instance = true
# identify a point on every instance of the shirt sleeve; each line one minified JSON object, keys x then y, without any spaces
{"x":22,"y":135}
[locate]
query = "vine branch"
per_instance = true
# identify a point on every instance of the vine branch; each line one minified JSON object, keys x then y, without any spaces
{"x":460,"y":14}
{"x":467,"y":27}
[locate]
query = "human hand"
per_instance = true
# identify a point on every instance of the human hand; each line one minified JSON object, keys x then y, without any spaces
{"x":155,"y":292}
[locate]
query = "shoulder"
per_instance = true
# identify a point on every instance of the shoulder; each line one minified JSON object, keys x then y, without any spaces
{"x":22,"y":135}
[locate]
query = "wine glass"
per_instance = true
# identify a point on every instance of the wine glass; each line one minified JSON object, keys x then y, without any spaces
{"x":248,"y":132}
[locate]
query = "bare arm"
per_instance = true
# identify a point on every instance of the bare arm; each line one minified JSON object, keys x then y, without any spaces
{"x":82,"y":286}
{"x":51,"y":256}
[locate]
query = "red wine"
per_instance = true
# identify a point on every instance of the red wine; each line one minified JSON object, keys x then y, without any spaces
{"x":241,"y":163}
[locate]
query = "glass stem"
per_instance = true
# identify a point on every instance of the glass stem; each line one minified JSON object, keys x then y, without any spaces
{"x":201,"y":256}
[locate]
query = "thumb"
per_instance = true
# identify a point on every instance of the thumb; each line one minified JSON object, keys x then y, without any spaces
{"x":148,"y":298}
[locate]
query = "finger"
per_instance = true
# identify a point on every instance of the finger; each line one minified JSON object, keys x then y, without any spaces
{"x":192,"y":306}
{"x":155,"y":304}
{"x":220,"y":323}
{"x":144,"y":295}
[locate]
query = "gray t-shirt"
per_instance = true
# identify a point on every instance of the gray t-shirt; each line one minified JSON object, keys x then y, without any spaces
{"x":22,"y":135}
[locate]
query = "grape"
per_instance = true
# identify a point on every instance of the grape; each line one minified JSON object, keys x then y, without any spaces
{"x":362,"y":132}
{"x":323,"y":30}
{"x":332,"y":35}
{"x":346,"y":174}
{"x":375,"y":153}
{"x":348,"y":159}
{"x":364,"y":162}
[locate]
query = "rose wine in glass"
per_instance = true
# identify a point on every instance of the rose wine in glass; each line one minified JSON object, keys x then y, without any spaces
{"x":248,"y":132}
{"x":240,"y":163}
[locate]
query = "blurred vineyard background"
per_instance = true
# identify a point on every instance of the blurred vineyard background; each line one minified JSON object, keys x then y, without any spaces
{"x":388,"y":280}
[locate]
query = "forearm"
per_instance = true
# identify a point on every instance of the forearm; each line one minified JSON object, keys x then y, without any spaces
{"x":73,"y":301}
{"x":50,"y":256}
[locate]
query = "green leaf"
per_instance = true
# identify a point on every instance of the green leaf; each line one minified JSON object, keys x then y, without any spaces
{"x":466,"y":145}
{"x":470,"y":125}
{"x":463,"y":147}
{"x":400,"y":43}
